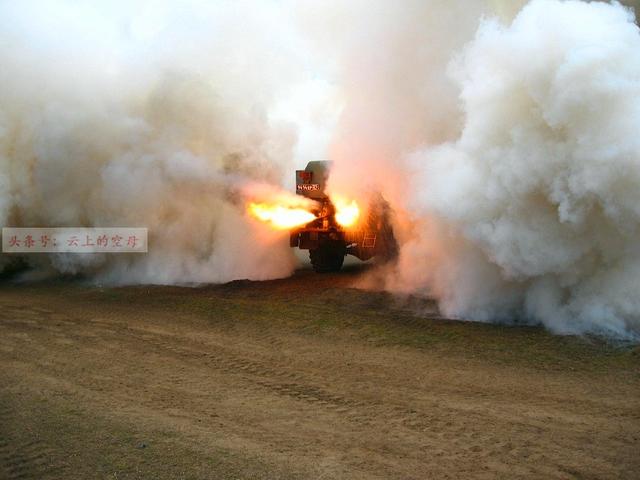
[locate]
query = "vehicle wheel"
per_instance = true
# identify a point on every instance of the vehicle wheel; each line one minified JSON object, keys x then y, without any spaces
{"x":327,"y":258}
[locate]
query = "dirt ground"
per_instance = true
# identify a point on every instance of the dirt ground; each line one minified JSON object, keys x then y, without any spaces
{"x":300,"y":378}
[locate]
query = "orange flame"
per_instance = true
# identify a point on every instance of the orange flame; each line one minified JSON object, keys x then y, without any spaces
{"x":279,"y":217}
{"x":347,"y":213}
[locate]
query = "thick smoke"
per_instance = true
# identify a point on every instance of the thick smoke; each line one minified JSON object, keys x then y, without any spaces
{"x":152,"y":115}
{"x":503,"y":135}
{"x":533,"y":213}
{"x":397,"y":94}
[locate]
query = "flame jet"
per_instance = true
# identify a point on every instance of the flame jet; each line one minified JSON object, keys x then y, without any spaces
{"x":281,"y":217}
{"x":341,"y":227}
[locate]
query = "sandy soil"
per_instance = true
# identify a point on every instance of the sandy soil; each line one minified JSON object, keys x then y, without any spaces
{"x":300,"y":378}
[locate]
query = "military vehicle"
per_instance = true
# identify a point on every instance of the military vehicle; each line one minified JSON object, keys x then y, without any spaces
{"x":329,"y":242}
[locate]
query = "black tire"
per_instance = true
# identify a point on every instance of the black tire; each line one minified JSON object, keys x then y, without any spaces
{"x":328,"y":257}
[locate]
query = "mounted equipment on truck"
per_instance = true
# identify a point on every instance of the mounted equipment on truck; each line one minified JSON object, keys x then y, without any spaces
{"x":337,"y":232}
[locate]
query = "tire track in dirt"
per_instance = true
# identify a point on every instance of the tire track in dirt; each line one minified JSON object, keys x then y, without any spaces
{"x":282,"y":381}
{"x":228,"y":363}
{"x":31,"y":459}
{"x":289,"y":384}
{"x":433,"y":428}
{"x":22,"y":458}
{"x":419,"y":427}
{"x":429,"y":429}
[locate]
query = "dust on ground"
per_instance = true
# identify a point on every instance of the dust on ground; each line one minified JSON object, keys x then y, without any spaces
{"x":304,"y":377}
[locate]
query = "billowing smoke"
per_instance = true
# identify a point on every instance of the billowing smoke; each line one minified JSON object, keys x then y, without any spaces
{"x":504,"y":136}
{"x":157,"y":115}
{"x":397,"y":94}
{"x":533,"y":213}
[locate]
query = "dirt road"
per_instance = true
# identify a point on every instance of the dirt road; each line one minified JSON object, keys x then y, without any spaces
{"x":299,"y":378}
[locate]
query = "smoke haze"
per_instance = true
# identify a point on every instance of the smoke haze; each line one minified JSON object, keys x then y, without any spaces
{"x":504,"y":135}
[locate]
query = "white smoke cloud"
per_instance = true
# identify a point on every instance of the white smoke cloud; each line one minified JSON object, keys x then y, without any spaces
{"x":391,"y":68}
{"x":153,"y":114}
{"x":533,"y":212}
{"x":511,"y":162}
